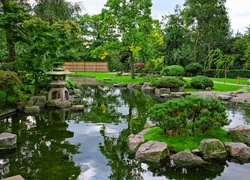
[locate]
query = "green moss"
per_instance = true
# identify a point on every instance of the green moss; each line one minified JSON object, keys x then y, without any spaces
{"x":183,"y":142}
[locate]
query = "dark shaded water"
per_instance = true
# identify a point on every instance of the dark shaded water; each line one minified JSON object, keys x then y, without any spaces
{"x":91,"y":144}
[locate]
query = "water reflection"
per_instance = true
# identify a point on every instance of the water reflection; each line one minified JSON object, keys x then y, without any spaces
{"x":91,"y":144}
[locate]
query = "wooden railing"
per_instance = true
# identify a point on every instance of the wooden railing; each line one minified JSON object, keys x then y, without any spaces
{"x":86,"y":66}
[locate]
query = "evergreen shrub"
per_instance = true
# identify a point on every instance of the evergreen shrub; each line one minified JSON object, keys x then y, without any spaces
{"x":190,"y":115}
{"x":168,"y":82}
{"x":174,"y":70}
{"x":193,"y":68}
{"x":201,"y":82}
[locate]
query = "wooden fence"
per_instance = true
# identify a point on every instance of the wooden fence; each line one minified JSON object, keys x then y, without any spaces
{"x":86,"y":66}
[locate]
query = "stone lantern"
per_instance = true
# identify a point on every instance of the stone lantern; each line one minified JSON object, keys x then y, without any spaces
{"x":58,"y":94}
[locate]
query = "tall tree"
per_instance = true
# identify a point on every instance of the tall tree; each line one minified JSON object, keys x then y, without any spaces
{"x":46,"y":45}
{"x":54,"y":10}
{"x":177,"y":39}
{"x":132,"y":22}
{"x":12,"y":16}
{"x":211,"y":23}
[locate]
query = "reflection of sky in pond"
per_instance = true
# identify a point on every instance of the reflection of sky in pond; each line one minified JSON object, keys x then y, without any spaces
{"x":237,"y":118}
{"x":88,"y":136}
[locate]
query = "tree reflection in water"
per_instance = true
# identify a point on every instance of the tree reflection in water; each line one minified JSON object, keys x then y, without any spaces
{"x":91,"y":144}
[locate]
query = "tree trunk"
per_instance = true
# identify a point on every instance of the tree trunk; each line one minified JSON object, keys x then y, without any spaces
{"x":132,"y":60}
{"x":195,"y":46}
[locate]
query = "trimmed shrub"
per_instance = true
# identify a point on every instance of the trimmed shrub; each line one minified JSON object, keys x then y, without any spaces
{"x":201,"y":82}
{"x":168,"y":82}
{"x":190,"y":115}
{"x":193,"y":68}
{"x":174,"y":70}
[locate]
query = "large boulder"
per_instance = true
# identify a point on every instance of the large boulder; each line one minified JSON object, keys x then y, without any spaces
{"x":31,"y":109}
{"x":160,"y":91}
{"x":135,"y":140}
{"x":238,"y":150}
{"x":38,"y":101}
{"x":7,"y":142}
{"x":59,"y":104}
{"x":240,"y":134}
{"x":152,"y":151}
{"x":186,"y":158}
{"x":212,"y":149}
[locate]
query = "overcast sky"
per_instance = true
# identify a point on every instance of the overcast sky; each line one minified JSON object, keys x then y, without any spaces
{"x":239,"y":11}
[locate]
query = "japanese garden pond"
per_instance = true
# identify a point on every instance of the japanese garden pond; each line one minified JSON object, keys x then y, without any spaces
{"x":91,"y":144}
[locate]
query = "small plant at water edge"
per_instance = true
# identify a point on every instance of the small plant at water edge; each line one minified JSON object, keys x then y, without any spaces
{"x":190,"y":115}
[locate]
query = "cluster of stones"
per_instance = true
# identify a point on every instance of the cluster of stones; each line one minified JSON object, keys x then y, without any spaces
{"x":147,"y":88}
{"x":209,"y":149}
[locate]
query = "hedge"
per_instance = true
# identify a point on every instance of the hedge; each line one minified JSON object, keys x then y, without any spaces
{"x":233,"y":73}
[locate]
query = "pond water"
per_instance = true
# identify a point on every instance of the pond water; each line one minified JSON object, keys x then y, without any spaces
{"x":91,"y":144}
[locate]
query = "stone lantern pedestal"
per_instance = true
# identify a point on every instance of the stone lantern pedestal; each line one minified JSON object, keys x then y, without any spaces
{"x":58,"y":94}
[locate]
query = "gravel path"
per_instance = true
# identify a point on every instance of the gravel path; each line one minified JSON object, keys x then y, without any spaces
{"x":238,"y":96}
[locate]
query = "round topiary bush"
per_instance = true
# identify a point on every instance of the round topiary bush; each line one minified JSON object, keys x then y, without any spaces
{"x":174,"y":70}
{"x":201,"y":82}
{"x":193,"y":68}
{"x":168,"y":82}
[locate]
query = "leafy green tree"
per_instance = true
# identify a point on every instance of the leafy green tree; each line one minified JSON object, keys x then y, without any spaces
{"x":45,"y":46}
{"x":191,"y":115}
{"x":221,"y":60}
{"x":177,"y":47}
{"x":132,"y":22}
{"x":55,"y":10}
{"x":10,"y":83}
{"x":12,"y":16}
{"x":210,"y":22}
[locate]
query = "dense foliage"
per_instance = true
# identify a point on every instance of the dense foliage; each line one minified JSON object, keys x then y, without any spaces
{"x":168,"y":82}
{"x":173,"y":70}
{"x":190,"y":115}
{"x":193,"y":68}
{"x":10,"y":83}
{"x":201,"y":82}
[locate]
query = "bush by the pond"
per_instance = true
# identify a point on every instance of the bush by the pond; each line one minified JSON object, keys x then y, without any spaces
{"x":10,"y":84}
{"x":201,"y":82}
{"x":174,"y":70}
{"x":168,"y":82}
{"x":190,"y":115}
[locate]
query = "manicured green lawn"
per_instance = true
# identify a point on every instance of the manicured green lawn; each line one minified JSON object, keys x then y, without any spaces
{"x":112,"y":76}
{"x":234,"y":81}
{"x":183,"y":142}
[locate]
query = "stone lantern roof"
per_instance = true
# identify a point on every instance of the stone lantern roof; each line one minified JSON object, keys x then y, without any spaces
{"x":58,"y":71}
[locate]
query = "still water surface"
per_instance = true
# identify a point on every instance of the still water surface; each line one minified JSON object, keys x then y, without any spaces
{"x":91,"y":144}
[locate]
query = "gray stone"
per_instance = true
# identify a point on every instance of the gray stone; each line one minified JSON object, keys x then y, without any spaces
{"x":160,"y":91}
{"x":149,"y":124}
{"x":212,"y":148}
{"x":135,"y":140}
{"x":238,"y":150}
{"x":59,"y":104}
{"x":31,"y":109}
{"x":17,"y":177}
{"x":7,"y":142}
{"x":77,"y":107}
{"x":77,"y":92}
{"x":240,"y":134}
{"x":37,"y":101}
{"x":148,"y":90}
{"x":152,"y":151}
{"x":131,"y":86}
{"x":186,"y":158}
{"x":142,"y":74}
{"x":179,"y":94}
{"x":225,"y":97}
{"x":121,"y":85}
